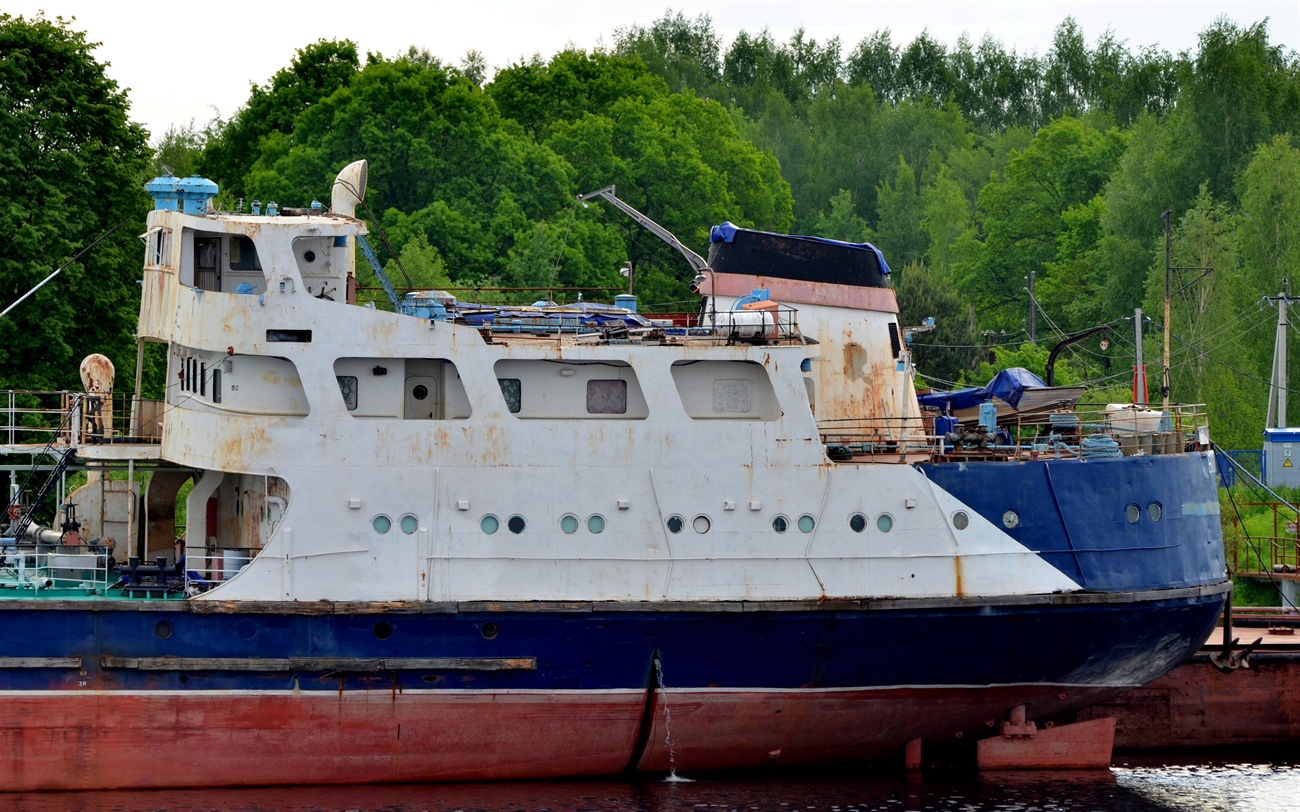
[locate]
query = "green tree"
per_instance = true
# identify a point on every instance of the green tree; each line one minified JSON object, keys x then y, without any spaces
{"x":1237,"y":92}
{"x":316,"y":72}
{"x":680,"y":160}
{"x":1144,"y":184}
{"x":685,"y":53}
{"x":1022,"y":218}
{"x":421,"y":262}
{"x":71,"y":164}
{"x":923,"y":70}
{"x":442,"y":160}
{"x":945,"y":217}
{"x":899,"y":234}
{"x":572,"y":84}
{"x":179,"y":151}
{"x":1210,"y":348}
{"x":945,"y":354}
{"x":874,"y":62}
{"x":1268,"y":244}
{"x":843,"y":223}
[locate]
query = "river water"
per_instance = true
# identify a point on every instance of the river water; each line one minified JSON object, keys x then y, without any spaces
{"x":1150,"y":785}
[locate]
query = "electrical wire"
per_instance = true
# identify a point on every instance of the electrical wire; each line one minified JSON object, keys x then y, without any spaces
{"x":1246,"y":375}
{"x":1241,"y":522}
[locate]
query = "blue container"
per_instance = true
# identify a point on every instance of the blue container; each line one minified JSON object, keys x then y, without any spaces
{"x":194,"y":193}
{"x":989,"y":415}
{"x":163,"y":191}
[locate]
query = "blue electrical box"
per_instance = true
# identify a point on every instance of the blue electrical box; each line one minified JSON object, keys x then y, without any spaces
{"x":1282,"y":457}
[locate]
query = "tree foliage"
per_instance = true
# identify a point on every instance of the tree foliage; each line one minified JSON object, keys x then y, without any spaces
{"x":970,"y":165}
{"x":71,"y":164}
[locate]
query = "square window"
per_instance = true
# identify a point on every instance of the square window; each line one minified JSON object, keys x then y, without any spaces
{"x":732,"y":397}
{"x":607,"y":397}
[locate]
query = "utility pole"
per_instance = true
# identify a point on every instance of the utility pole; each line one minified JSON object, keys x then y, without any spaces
{"x":1140,"y":367}
{"x":1169,"y":270}
{"x":1033,"y":310}
{"x":1164,"y":380}
{"x":1278,"y":384}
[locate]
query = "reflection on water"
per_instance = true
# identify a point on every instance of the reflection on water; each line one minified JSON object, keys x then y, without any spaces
{"x":1151,"y":786}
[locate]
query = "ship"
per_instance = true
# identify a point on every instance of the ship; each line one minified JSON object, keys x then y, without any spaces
{"x":452,"y":541}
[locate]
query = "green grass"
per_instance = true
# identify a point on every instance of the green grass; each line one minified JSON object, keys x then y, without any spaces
{"x":1249,"y":541}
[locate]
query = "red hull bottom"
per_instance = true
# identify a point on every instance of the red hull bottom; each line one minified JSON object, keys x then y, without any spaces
{"x":67,"y":740}
{"x":1195,"y":706}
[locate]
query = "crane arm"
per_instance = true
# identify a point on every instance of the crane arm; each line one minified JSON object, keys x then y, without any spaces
{"x":697,"y":262}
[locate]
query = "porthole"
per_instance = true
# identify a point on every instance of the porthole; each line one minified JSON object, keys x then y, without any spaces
{"x":806,"y":523}
{"x":675,"y":524}
{"x":961,"y":520}
{"x":884,"y":522}
{"x":596,"y":523}
{"x":1155,"y":510}
{"x":382,"y":524}
{"x":857,"y":522}
{"x":569,"y":523}
{"x":1010,"y":519}
{"x":489,"y":524}
{"x":780,"y":524}
{"x":409,"y":524}
{"x":310,"y":256}
{"x":1134,"y":513}
{"x":163,"y":629}
{"x":701,"y":524}
{"x":420,"y":392}
{"x":383,"y":630}
{"x":489,"y":630}
{"x":515,"y":524}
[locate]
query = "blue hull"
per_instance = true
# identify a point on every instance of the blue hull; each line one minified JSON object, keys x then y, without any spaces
{"x":1076,"y":515}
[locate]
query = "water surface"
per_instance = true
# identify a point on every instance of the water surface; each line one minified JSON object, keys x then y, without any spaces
{"x":1148,"y":785}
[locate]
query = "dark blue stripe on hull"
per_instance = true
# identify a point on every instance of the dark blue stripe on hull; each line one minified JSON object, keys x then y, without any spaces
{"x":1075,"y":515}
{"x":1118,"y":643}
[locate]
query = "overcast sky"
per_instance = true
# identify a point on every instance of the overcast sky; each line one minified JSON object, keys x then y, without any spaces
{"x":190,"y":60}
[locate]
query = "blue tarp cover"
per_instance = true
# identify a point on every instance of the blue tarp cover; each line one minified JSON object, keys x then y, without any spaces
{"x":1007,"y":385}
{"x":726,"y":232}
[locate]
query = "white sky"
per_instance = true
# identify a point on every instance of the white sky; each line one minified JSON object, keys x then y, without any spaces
{"x":187,"y":60}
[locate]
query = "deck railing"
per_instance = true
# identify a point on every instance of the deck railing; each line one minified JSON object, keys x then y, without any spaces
{"x":1266,"y":555}
{"x":78,"y":568}
{"x":203,"y":572}
{"x":1089,"y":433}
{"x":29,"y":418}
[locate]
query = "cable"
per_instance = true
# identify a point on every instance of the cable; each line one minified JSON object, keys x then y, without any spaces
{"x":1234,"y":369}
{"x":1241,"y":522}
{"x":59,"y":270}
{"x":559,"y":254}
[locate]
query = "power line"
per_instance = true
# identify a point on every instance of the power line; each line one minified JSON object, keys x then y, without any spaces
{"x":1230,"y":366}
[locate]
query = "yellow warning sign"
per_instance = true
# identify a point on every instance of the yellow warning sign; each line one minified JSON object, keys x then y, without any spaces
{"x":1287,"y":464}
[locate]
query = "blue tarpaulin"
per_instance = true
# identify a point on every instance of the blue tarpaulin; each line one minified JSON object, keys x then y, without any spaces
{"x":1007,"y":385}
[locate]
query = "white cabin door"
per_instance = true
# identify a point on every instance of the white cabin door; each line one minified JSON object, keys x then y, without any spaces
{"x":422,"y":401}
